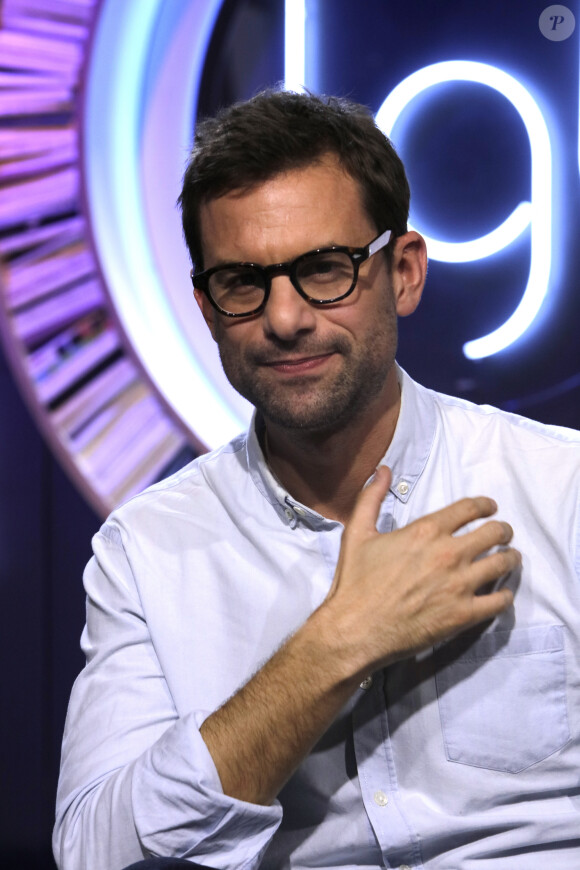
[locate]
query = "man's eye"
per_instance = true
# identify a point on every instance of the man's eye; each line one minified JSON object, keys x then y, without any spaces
{"x":325,"y":268}
{"x":234,"y":282}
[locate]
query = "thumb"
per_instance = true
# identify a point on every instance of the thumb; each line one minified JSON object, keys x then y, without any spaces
{"x":368,"y":504}
{"x":363,"y":520}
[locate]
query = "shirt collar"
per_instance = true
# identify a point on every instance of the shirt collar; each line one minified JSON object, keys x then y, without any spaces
{"x":267,"y":484}
{"x":406,"y":456}
{"x":413,"y":439}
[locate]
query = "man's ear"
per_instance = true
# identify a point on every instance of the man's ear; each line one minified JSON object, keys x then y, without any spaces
{"x":206,"y":309}
{"x":408,"y":272}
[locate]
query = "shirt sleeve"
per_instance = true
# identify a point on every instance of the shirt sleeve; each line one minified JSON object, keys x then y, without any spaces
{"x":136,"y":778}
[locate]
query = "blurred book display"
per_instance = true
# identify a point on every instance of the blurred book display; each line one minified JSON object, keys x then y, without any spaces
{"x":92,"y":400}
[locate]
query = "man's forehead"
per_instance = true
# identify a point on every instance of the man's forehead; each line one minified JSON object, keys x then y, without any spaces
{"x":284,"y":216}
{"x":319,"y":187}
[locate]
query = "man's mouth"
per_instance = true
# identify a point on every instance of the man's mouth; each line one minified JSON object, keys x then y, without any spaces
{"x":298,"y":364}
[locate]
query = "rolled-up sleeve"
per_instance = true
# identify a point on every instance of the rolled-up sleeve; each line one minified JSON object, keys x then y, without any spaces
{"x":136,"y":776}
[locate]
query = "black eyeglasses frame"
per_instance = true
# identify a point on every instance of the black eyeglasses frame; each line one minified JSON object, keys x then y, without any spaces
{"x":200,"y":280}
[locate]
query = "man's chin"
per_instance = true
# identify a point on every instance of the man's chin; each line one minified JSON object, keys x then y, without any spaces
{"x":304,"y":404}
{"x":296,"y":416}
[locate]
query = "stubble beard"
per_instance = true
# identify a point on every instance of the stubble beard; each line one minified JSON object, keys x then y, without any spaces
{"x":318,"y":406}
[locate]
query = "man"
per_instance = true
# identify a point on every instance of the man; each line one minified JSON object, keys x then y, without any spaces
{"x":304,"y":649}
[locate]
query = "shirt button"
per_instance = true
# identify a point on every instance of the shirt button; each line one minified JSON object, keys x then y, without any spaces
{"x":289,"y":514}
{"x":380,"y":799}
{"x":404,"y":867}
{"x":300,"y":511}
{"x":366,"y":683}
{"x":402,"y":487}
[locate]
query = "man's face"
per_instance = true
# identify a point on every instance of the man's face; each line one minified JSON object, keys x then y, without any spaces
{"x":303,"y":366}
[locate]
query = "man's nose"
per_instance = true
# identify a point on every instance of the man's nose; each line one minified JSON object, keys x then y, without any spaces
{"x":287,"y":314}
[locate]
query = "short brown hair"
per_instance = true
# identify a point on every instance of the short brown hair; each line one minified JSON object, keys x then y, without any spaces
{"x":276,"y":131}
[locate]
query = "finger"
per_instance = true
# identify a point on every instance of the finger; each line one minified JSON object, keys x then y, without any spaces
{"x":494,"y":533}
{"x":453,"y":517}
{"x":493,"y":566}
{"x":486,"y":607}
{"x":368,"y":504}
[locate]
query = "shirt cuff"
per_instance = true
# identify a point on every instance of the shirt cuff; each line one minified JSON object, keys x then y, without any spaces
{"x":180,"y":809}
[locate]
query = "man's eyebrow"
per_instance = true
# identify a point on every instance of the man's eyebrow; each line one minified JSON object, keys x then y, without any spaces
{"x":222,"y":261}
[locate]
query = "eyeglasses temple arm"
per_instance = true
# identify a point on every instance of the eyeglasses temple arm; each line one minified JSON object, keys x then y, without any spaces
{"x":379,"y":242}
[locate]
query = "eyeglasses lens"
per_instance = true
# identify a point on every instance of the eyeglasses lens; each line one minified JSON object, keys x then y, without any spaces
{"x":326,"y":275}
{"x":237,"y":290}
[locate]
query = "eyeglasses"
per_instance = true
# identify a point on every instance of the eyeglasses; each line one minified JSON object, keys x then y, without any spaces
{"x":322,"y":277}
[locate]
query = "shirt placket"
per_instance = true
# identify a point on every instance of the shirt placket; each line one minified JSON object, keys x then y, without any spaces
{"x":377,"y":774}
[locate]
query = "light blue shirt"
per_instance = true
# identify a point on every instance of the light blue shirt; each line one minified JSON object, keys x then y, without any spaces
{"x":467,"y":756}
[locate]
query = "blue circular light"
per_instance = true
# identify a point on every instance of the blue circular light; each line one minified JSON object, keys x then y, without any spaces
{"x":142,"y":85}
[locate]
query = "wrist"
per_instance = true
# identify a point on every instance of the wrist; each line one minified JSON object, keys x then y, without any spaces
{"x":330,"y":640}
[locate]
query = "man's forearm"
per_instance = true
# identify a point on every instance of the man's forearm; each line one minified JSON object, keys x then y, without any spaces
{"x":258,"y":737}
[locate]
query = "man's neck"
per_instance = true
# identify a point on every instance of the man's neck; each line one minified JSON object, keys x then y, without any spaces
{"x":326,"y":471}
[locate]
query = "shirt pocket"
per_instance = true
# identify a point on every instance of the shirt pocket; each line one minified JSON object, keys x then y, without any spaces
{"x":502,"y":701}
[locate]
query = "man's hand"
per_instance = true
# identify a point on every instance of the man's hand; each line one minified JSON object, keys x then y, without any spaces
{"x":400,"y":592}
{"x":393,"y":595}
